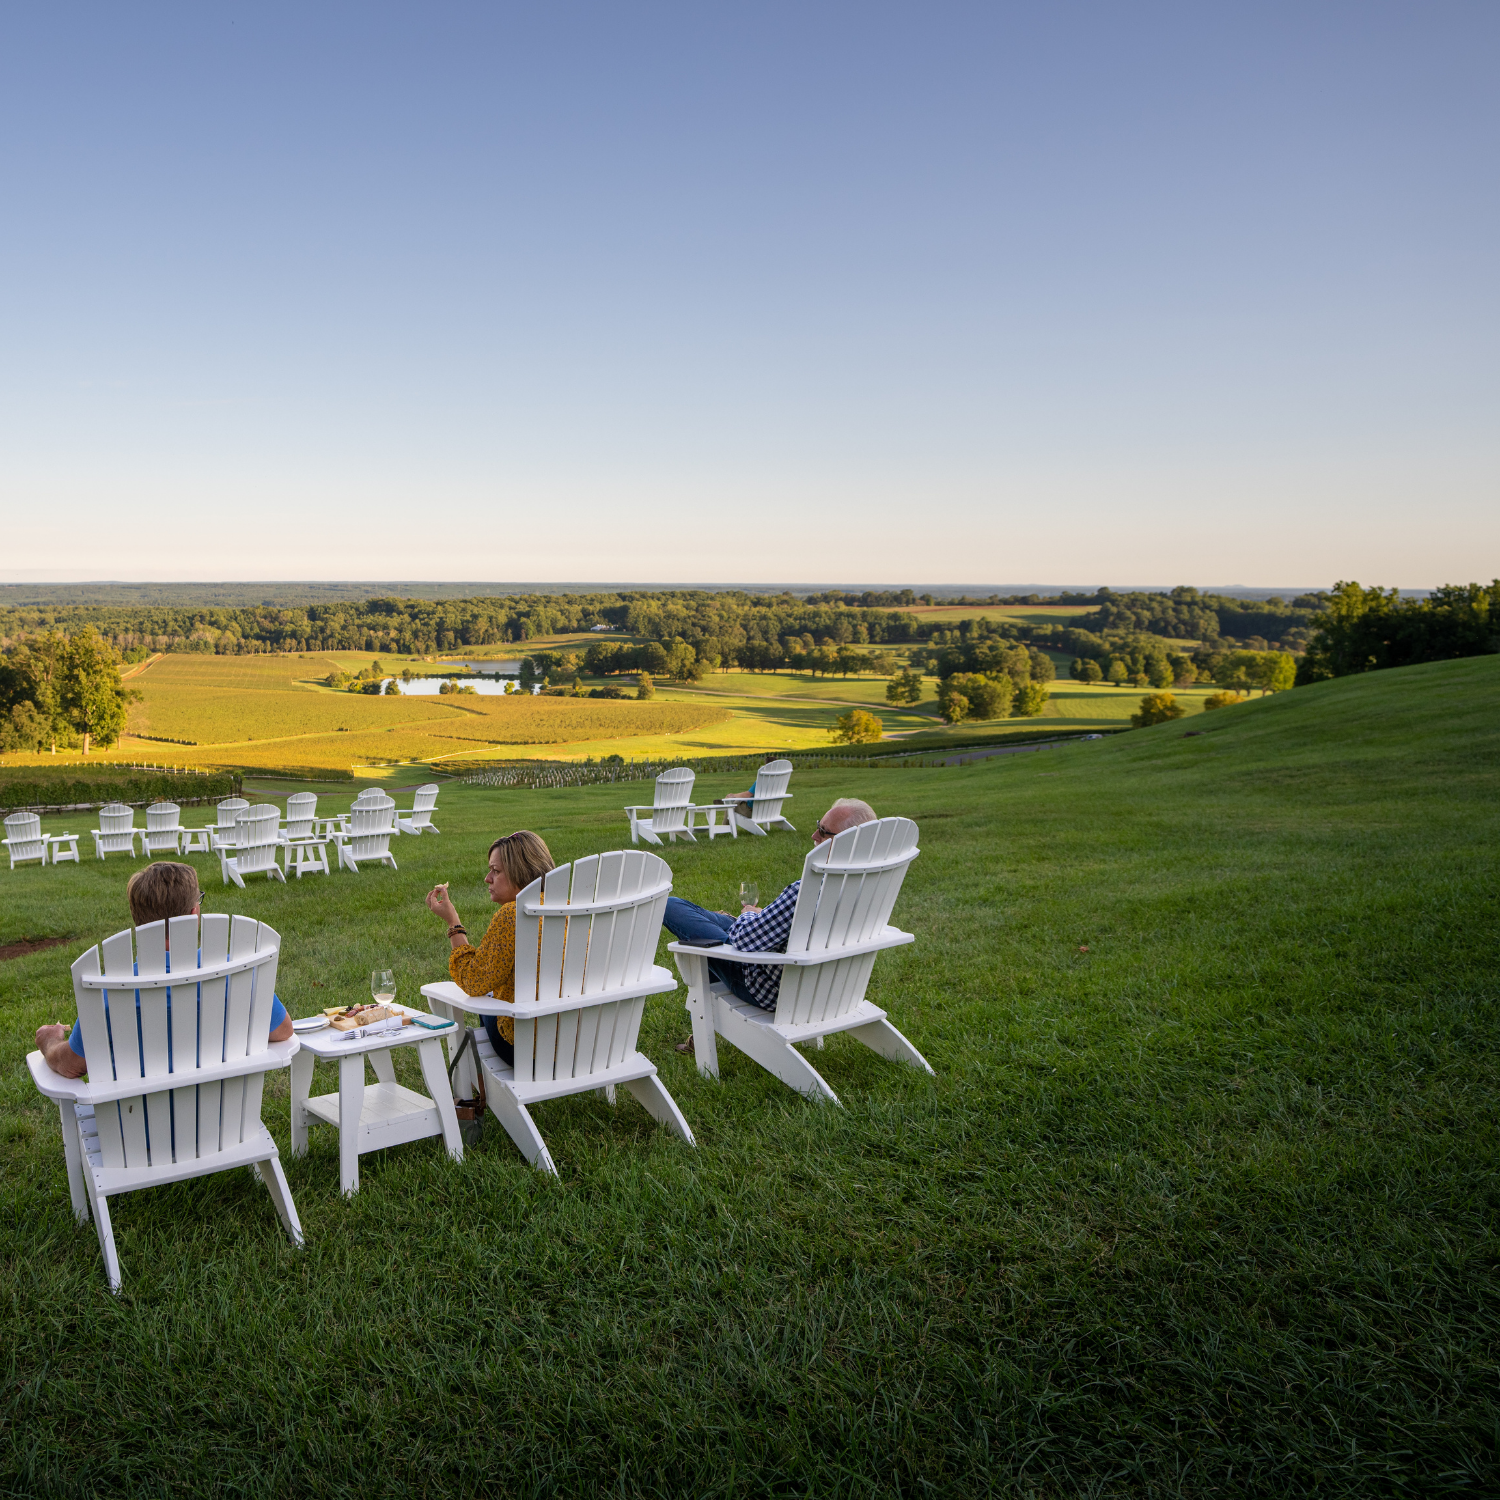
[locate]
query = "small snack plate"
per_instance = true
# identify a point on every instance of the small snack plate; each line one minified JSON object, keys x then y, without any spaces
{"x":310,"y":1023}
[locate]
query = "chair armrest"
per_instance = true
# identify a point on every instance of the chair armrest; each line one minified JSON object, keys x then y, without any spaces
{"x":50,"y":1083}
{"x":891,"y":937}
{"x":55,"y":1086}
{"x":657,"y":981}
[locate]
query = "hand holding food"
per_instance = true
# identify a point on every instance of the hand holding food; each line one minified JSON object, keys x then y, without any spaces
{"x":439,"y":904}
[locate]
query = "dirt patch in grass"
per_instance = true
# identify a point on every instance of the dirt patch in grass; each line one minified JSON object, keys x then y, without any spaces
{"x":23,"y":946}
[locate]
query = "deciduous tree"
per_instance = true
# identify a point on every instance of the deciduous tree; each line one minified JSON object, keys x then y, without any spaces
{"x":904,"y":687}
{"x":91,"y":696}
{"x":856,"y":728}
{"x":1157,"y":708}
{"x":1031,"y":699}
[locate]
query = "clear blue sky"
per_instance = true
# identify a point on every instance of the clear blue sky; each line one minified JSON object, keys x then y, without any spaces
{"x":938,"y":293}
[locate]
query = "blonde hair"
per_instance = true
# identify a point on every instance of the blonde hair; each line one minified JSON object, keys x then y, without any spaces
{"x":523,"y":856}
{"x":162,"y":890}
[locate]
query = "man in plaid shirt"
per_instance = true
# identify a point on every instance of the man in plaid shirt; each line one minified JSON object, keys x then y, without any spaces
{"x":756,"y":929}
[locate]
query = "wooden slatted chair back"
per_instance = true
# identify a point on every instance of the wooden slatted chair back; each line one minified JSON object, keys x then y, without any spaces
{"x":139,"y":1025}
{"x":423,"y":805}
{"x":116,"y":831}
{"x":23,"y":838}
{"x":370,"y":796}
{"x":370,"y":828}
{"x":257,"y":837}
{"x":849,"y":888}
{"x":770,"y":790}
{"x":227,"y":811}
{"x":163,"y":827}
{"x":162,"y":817}
{"x":301,"y":815}
{"x":674,"y":796}
{"x":589,"y":930}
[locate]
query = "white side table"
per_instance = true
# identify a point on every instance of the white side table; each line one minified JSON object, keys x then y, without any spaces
{"x":371,"y":1117}
{"x":310,"y":854}
{"x":197,"y":840}
{"x":710,"y":825}
{"x":56,"y":841}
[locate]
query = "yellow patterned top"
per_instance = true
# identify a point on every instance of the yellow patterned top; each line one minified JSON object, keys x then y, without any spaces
{"x":491,"y":967}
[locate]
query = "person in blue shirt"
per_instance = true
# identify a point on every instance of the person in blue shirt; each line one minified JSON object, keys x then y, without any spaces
{"x":160,"y":891}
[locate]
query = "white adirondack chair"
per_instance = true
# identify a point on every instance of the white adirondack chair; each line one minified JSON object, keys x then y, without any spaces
{"x":222,"y":832}
{"x":301,"y":816}
{"x":766,"y":800}
{"x":419,"y":818}
{"x":368,"y":838}
{"x":303,"y":849}
{"x":849,"y":885}
{"x":369,"y":796}
{"x":583,"y":971}
{"x":163,"y":828}
{"x":670,"y":816}
{"x":257,"y":838}
{"x":179,"y":1095}
{"x":116,"y":831}
{"x":24,"y":838}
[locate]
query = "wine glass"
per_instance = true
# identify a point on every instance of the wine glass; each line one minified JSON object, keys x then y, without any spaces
{"x":383,"y":986}
{"x":749,"y":894}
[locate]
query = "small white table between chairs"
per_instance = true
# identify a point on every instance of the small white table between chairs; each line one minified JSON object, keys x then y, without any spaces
{"x":370,"y":1117}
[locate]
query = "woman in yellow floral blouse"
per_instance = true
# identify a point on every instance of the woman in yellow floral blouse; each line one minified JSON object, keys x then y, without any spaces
{"x":515,"y":861}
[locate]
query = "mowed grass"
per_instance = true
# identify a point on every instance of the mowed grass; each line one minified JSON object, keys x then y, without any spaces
{"x":1201,"y":1201}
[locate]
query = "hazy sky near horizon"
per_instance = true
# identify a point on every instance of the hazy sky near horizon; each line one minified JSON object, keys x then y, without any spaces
{"x":956,"y":292}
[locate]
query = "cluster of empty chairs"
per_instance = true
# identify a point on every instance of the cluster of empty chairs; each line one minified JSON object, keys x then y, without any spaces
{"x":586,"y":937}
{"x":248,"y":839}
{"x":673,"y":814}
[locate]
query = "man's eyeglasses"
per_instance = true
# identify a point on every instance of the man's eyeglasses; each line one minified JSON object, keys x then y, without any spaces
{"x":820,"y":832}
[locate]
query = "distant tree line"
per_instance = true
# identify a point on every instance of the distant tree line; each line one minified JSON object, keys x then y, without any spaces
{"x":713,"y":624}
{"x":1367,"y":629}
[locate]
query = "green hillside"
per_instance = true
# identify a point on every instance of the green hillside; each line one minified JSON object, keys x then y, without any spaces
{"x":1201,"y":1202}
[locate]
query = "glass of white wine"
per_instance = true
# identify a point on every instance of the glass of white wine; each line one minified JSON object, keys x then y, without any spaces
{"x":749,"y":894}
{"x":383,"y":986}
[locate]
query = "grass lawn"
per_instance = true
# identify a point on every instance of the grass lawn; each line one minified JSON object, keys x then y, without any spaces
{"x":1202,"y":1200}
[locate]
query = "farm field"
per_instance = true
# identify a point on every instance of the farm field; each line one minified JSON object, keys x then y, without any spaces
{"x":1016,"y":614}
{"x":275,"y":714}
{"x":1199,"y":1202}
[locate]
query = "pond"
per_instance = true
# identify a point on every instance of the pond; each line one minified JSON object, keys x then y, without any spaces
{"x":489,"y":668}
{"x":423,"y":687}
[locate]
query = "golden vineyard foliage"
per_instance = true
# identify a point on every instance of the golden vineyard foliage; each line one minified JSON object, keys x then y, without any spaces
{"x":276,"y":712}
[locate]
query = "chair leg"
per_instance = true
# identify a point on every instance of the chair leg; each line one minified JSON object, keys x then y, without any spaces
{"x":700,"y":1007}
{"x":106,"y":1240}
{"x":882,"y":1037}
{"x":73,"y":1155}
{"x":520,"y":1127}
{"x":750,"y":827}
{"x":281,"y":1195}
{"x":660,"y":1105}
{"x":777,"y":1056}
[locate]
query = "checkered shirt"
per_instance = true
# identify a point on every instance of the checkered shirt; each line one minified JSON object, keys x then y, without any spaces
{"x":765,"y":931}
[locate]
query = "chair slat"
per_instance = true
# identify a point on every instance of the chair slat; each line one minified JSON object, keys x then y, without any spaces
{"x":525,"y":1051}
{"x":567,"y":1044}
{"x":546,"y":1049}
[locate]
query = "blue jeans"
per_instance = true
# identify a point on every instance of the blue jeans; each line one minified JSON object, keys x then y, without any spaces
{"x":692,"y":924}
{"x":504,"y":1050}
